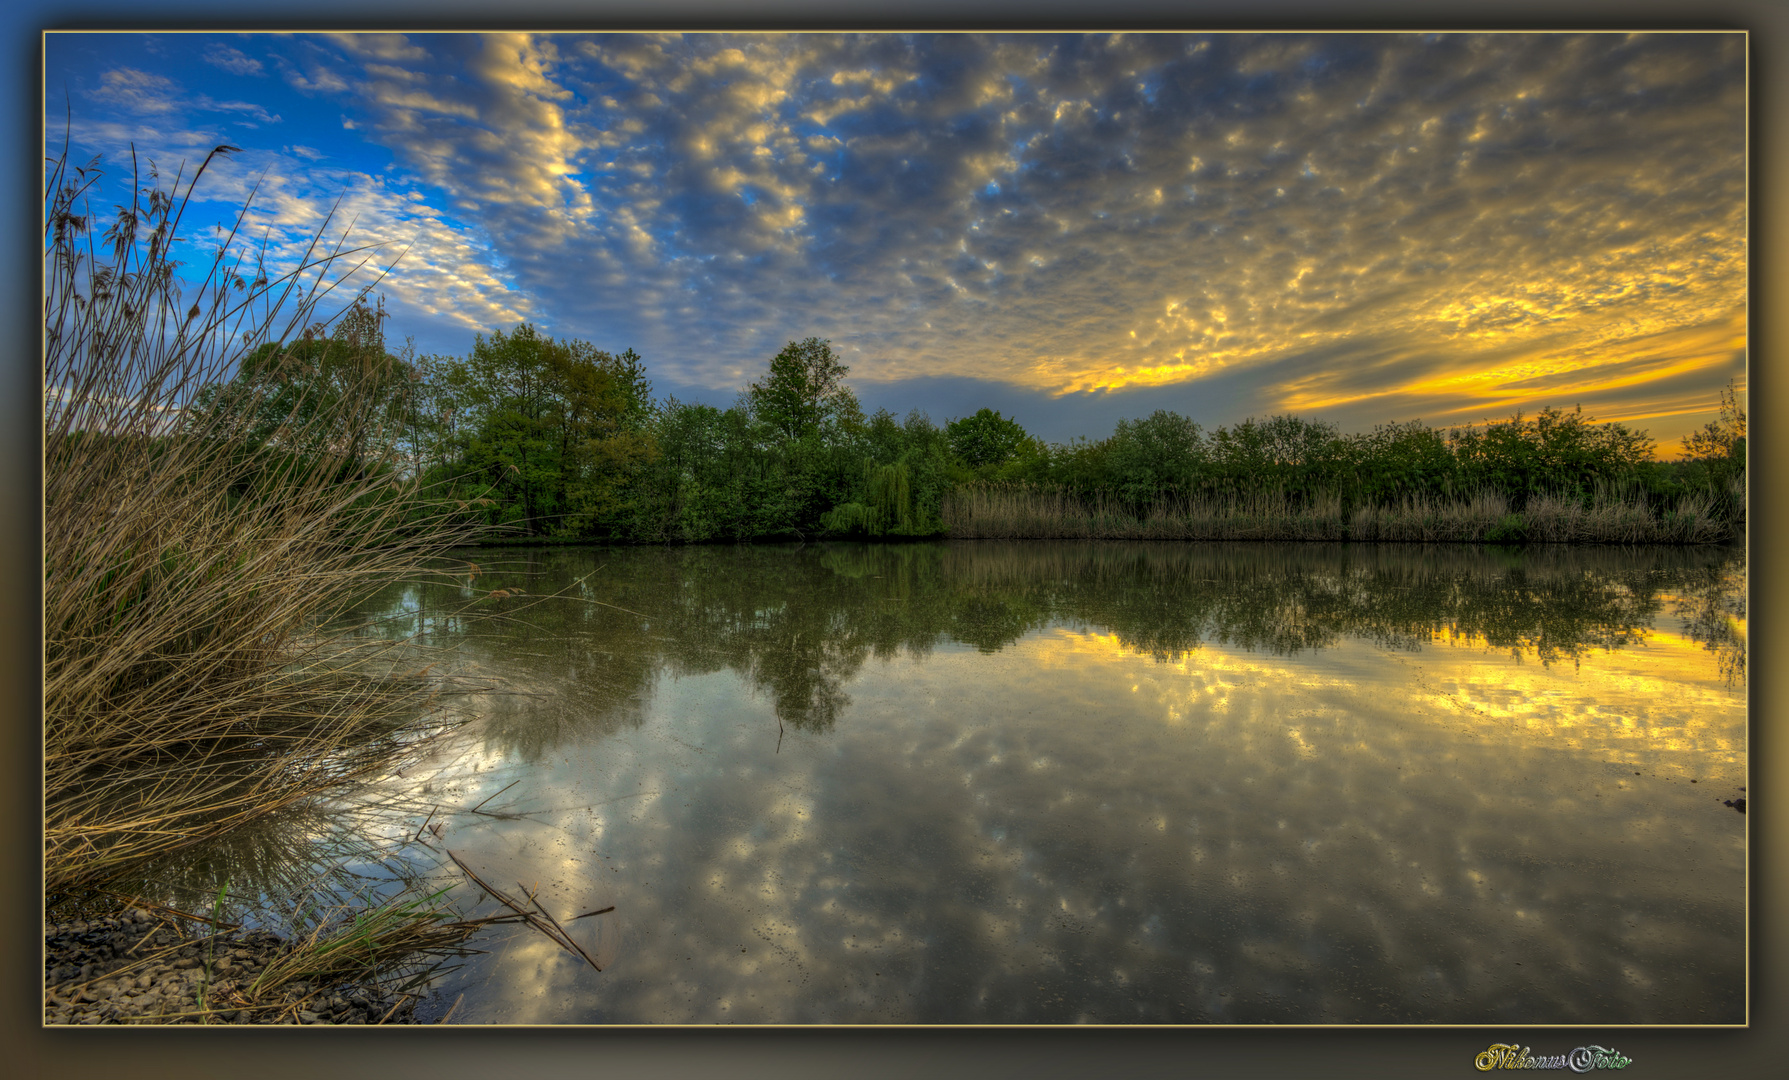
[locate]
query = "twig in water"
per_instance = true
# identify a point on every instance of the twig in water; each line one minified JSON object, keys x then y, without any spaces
{"x":587,"y":914}
{"x":494,"y":794}
{"x":548,"y":926}
{"x":187,"y":915}
{"x":400,"y":1004}
{"x":563,"y":936}
{"x":425,"y":824}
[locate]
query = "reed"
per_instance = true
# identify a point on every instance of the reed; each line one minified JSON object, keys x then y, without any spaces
{"x":1611,"y":515}
{"x":192,"y":682}
{"x":1421,"y":519}
{"x":364,"y":943}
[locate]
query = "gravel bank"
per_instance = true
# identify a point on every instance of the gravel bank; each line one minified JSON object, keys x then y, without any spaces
{"x":137,"y":968}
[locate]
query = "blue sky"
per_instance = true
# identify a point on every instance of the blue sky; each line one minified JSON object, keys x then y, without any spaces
{"x":1361,"y":228}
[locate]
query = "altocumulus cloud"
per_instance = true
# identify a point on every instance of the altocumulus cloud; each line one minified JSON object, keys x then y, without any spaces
{"x":1365,"y":227}
{"x":299,"y":204}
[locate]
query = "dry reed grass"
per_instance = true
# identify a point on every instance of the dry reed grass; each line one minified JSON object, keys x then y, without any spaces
{"x":362,"y":944}
{"x":1014,"y":512}
{"x":1611,"y":517}
{"x":188,"y":687}
{"x":1430,"y":521}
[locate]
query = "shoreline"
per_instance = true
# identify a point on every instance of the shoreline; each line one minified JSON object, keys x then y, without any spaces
{"x":138,"y":967}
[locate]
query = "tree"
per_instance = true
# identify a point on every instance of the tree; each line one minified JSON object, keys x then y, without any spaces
{"x":804,"y":391}
{"x":1723,"y":439}
{"x":1716,"y":455}
{"x":1556,"y":452}
{"x":1153,"y":456}
{"x":600,"y":403}
{"x":1400,"y":461}
{"x":553,"y":429}
{"x":987,"y":439}
{"x":330,"y":395}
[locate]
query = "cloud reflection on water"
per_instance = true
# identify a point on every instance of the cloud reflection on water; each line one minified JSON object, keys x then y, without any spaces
{"x":1065,"y":827}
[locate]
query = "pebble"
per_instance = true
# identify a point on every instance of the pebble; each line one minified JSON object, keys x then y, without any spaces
{"x":80,"y":957}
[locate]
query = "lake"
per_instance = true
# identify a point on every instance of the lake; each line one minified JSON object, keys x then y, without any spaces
{"x":1059,"y":782}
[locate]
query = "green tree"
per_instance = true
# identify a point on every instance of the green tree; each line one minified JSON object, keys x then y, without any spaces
{"x":333,"y":392}
{"x":1720,"y":447}
{"x":987,"y":440}
{"x":551,"y":432}
{"x":600,"y":404}
{"x":1155,"y":456}
{"x":1556,"y":453}
{"x":903,"y":482}
{"x":505,"y":385}
{"x":1401,"y":461}
{"x":804,"y":391}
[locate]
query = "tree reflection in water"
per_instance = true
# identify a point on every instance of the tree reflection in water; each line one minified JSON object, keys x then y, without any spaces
{"x":581,"y":648}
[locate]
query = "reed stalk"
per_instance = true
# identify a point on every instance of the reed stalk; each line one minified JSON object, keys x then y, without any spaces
{"x":191,"y":573}
{"x":1608,"y":516}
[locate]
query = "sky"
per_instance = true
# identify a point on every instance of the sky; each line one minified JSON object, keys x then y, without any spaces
{"x":1069,"y":228}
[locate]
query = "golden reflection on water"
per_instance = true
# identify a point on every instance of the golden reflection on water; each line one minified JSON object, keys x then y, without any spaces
{"x":1668,"y":695}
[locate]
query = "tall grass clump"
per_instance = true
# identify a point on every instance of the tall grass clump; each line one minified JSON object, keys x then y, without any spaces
{"x":1611,"y":514}
{"x":1018,"y":511}
{"x":195,"y":553}
{"x":1426,"y":519}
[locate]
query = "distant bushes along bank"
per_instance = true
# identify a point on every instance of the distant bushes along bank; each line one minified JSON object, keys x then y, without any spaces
{"x":530,"y":437}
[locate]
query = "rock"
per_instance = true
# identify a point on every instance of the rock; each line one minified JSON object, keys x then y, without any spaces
{"x":93,"y":977}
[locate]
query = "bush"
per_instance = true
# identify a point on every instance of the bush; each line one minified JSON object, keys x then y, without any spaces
{"x":1510,"y":529}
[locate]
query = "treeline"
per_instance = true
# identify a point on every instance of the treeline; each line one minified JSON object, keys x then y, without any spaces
{"x":558,"y":439}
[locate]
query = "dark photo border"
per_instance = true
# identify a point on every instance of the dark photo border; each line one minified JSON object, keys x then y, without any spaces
{"x":28,"y":1049}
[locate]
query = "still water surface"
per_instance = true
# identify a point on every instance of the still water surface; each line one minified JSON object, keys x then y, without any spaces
{"x":1114,"y":783}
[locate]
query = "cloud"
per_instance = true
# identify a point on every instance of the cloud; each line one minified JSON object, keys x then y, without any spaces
{"x":144,"y":93}
{"x":138,"y":91}
{"x":314,"y":78}
{"x":234,"y":61}
{"x":435,"y":269}
{"x":489,"y":131}
{"x":1090,"y":216}
{"x":1088,"y":213}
